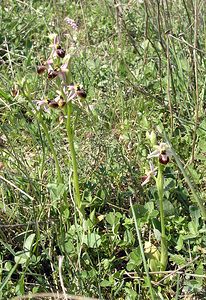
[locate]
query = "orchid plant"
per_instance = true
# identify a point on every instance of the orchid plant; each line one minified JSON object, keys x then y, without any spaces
{"x":163,"y":155}
{"x":58,"y":68}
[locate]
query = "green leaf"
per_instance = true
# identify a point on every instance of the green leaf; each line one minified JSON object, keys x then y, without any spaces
{"x":113,"y":218}
{"x":21,"y":258}
{"x":157,"y":229}
{"x":152,"y":212}
{"x":193,"y":228}
{"x":180,"y":243}
{"x":195,"y":214}
{"x":29,"y":242}
{"x":178,"y":259}
{"x":140,"y":211}
{"x":168,"y":208}
{"x":131,"y":294}
{"x":92,"y":240}
{"x":110,"y":218}
{"x":5,"y":95}
{"x":128,"y":237}
{"x":69,"y":247}
{"x":106,"y":283}
{"x":135,"y":259}
{"x":56,"y":191}
{"x":200,"y":271}
{"x":20,"y":286}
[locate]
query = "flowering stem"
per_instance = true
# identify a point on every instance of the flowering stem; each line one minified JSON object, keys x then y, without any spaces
{"x":77,"y":197}
{"x":164,"y":251}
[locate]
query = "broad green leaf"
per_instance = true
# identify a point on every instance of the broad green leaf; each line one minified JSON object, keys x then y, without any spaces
{"x":106,"y":283}
{"x":178,"y":259}
{"x":21,"y":258}
{"x":193,"y":228}
{"x":29,"y":241}
{"x":180,"y":243}
{"x":92,"y":240}
{"x":168,"y":208}
{"x":135,"y":259}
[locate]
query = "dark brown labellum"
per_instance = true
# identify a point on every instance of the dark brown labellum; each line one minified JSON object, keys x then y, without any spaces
{"x":53,"y":104}
{"x":2,"y":142}
{"x":163,"y":159}
{"x":52,"y":74}
{"x":61,"y":52}
{"x":14,"y":92}
{"x":41,"y":69}
{"x":81,"y":93}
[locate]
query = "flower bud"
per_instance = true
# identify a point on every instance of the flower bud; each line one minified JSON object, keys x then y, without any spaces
{"x":15,"y":90}
{"x":152,"y":137}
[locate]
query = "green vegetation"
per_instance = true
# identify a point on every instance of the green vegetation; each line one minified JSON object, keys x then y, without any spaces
{"x":103,"y":196}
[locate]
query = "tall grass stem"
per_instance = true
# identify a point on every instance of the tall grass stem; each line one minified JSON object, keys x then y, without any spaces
{"x":51,"y":145}
{"x":142,"y":252}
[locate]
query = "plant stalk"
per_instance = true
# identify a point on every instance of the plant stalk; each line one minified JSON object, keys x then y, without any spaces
{"x":70,"y":136}
{"x":160,"y":189}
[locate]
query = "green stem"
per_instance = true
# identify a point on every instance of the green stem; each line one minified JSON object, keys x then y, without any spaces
{"x":58,"y":170}
{"x":142,"y":253}
{"x":160,"y":189}
{"x":77,"y":197}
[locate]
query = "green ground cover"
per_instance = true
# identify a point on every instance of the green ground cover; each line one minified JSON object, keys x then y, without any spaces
{"x":75,"y":216}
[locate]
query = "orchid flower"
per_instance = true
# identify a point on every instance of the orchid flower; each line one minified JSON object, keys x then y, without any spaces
{"x":52,"y":63}
{"x":163,"y":151}
{"x":42,"y":104}
{"x":57,"y":102}
{"x":150,"y":174}
{"x":75,"y":90}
